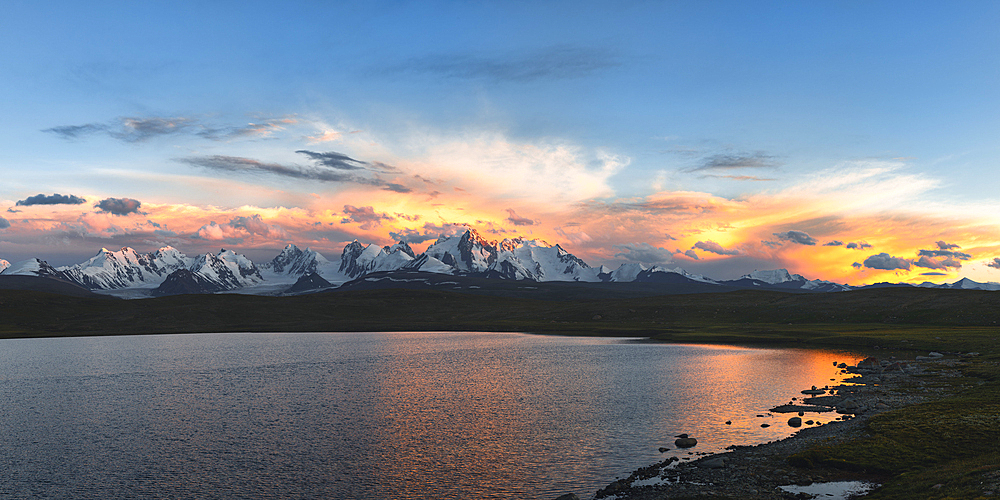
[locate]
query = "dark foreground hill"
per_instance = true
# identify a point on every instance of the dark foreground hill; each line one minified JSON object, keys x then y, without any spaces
{"x":34,"y":313}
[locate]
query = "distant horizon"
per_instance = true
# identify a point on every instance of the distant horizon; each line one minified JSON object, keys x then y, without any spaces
{"x":848,"y":142}
{"x":261,"y":256}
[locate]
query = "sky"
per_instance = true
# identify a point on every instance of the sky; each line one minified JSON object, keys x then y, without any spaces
{"x":849,"y":141}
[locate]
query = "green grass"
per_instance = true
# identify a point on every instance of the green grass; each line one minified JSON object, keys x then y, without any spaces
{"x":935,"y":450}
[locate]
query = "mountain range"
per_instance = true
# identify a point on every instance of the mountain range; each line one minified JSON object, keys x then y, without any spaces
{"x":166,"y":271}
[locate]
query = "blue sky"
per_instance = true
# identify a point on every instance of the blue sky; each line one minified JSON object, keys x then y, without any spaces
{"x":625,"y":132}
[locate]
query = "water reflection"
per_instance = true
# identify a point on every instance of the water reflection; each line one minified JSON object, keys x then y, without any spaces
{"x":402,"y":415}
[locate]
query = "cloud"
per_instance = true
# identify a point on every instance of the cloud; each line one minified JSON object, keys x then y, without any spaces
{"x":248,"y":165}
{"x":218,"y":232}
{"x":834,"y":243}
{"x":945,"y":246}
{"x":119,"y":206}
{"x":255,"y":225}
{"x":262,"y":129}
{"x":713,"y":247}
{"x":552,"y":63}
{"x":4,"y":223}
{"x":137,"y":129}
{"x":753,"y":178}
{"x":76,"y":131}
{"x":944,"y":253}
{"x":326,"y":136}
{"x":399,"y":188}
{"x":860,"y":245}
{"x":238,"y":229}
{"x":930,"y":263}
{"x":856,"y":265}
{"x":332,"y":159}
{"x":934,"y":274}
{"x":736,"y":161}
{"x":365,"y":216}
{"x":429,"y":232}
{"x":644,"y":253}
{"x":995,"y":263}
{"x":128,"y":129}
{"x":517,"y":220}
{"x":887,"y":263}
{"x":54,"y":199}
{"x":796,"y":237}
{"x":692,"y":254}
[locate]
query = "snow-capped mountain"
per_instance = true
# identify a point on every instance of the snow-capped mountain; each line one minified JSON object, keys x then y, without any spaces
{"x":658,"y":274}
{"x":468,"y":253}
{"x":128,"y":273}
{"x":228,"y":270}
{"x":295,"y":262}
{"x":773,"y":277}
{"x":627,"y":272}
{"x":967,"y":284}
{"x":781,"y":279}
{"x":32,"y":267}
{"x":535,"y":260}
{"x":126,"y":268}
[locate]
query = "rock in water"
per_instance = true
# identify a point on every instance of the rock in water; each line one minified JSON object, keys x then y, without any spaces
{"x":568,"y":496}
{"x":685,"y":442}
{"x":795,"y":422}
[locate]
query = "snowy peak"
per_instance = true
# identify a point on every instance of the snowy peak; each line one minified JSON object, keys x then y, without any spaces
{"x":967,"y":284}
{"x":402,"y":246}
{"x":125,"y":268}
{"x":773,"y":277}
{"x":227,"y":269}
{"x":3,"y":265}
{"x":468,"y":253}
{"x":32,"y":267}
{"x":296,"y":262}
{"x":358,"y":259}
{"x":627,"y":272}
{"x":658,"y":274}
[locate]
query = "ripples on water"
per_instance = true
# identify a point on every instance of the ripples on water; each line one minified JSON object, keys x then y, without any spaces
{"x":374,"y":415}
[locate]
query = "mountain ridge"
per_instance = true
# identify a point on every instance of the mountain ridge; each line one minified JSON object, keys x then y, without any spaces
{"x":167,"y":270}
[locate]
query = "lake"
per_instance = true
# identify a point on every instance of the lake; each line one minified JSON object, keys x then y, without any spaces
{"x":374,"y":415}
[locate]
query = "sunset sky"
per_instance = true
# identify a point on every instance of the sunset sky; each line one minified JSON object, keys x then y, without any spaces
{"x":850,"y":141}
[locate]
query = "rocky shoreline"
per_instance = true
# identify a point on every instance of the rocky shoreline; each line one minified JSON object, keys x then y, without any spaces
{"x":758,"y":472}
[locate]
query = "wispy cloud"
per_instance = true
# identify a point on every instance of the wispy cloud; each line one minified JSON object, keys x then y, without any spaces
{"x":248,"y":165}
{"x":644,"y":253}
{"x":4,"y":223}
{"x":725,"y":162}
{"x":739,"y":177}
{"x":713,"y":247}
{"x":139,"y":129}
{"x":796,"y":237}
{"x":552,"y":63}
{"x":334,"y":160}
{"x":366,"y":217}
{"x":517,"y":220}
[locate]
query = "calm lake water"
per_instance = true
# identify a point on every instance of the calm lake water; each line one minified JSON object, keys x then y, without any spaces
{"x":373,"y":415}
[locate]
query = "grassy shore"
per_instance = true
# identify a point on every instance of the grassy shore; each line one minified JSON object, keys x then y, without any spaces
{"x":940,"y":449}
